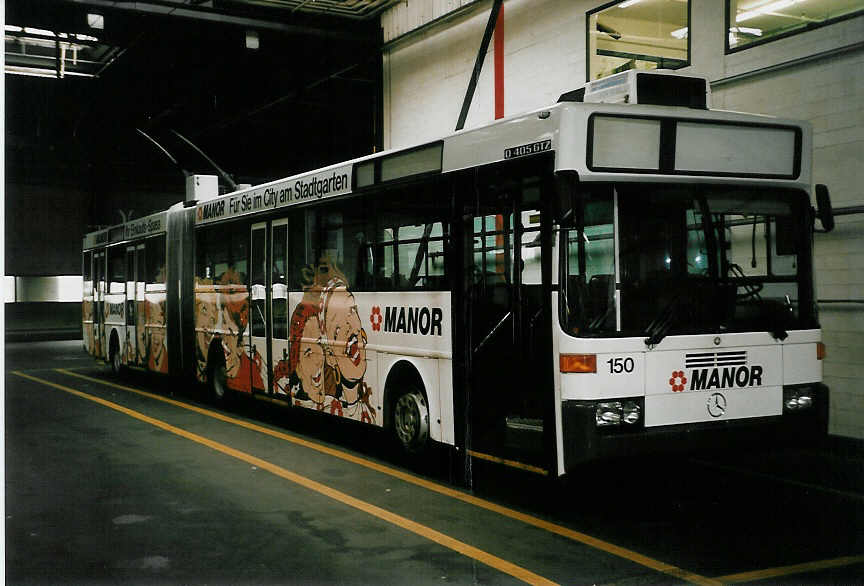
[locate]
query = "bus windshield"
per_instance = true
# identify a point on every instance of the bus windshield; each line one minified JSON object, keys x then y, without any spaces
{"x":687,"y":259}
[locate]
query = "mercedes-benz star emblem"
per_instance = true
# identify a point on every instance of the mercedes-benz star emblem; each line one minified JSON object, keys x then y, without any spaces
{"x":716,"y":405}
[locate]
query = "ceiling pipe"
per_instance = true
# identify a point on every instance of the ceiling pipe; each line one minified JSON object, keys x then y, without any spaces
{"x":201,"y":13}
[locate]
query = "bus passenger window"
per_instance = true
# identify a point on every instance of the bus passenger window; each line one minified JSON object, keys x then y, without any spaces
{"x":279,"y":276}
{"x":221,"y":254}
{"x":335,"y":247}
{"x":116,"y":270}
{"x":156,"y":263}
{"x":237,"y":271}
{"x":301,"y":257}
{"x":409,"y":244}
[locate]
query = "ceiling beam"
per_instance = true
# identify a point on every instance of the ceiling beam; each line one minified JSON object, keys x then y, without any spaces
{"x":188,"y":11}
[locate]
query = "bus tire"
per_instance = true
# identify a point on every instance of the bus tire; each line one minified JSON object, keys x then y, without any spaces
{"x":411,"y":421}
{"x":114,"y":357}
{"x":217,"y":376}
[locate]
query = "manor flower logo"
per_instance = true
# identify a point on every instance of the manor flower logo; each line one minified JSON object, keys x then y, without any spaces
{"x":678,"y":381}
{"x":376,"y":318}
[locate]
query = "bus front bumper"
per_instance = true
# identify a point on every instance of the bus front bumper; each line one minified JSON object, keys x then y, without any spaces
{"x":584,"y":441}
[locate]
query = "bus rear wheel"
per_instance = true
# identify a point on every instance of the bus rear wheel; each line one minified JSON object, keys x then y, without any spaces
{"x":114,"y":356}
{"x":217,"y":375}
{"x":218,"y":379}
{"x":411,"y":421}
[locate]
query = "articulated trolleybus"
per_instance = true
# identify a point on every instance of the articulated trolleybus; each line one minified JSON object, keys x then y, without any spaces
{"x":625,"y":271}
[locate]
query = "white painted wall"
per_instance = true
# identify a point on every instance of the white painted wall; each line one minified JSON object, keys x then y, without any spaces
{"x":830,"y":94}
{"x":425,"y":78}
{"x":426,"y":74}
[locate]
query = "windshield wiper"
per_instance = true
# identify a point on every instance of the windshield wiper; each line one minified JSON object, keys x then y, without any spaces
{"x":659,"y":328}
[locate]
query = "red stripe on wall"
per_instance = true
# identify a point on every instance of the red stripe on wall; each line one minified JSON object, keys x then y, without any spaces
{"x":499,"y":64}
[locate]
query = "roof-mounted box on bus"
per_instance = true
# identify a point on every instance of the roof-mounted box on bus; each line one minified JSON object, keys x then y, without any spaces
{"x":653,"y":88}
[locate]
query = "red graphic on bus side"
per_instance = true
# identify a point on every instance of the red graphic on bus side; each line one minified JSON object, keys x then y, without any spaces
{"x":376,"y":318}
{"x":678,"y":381}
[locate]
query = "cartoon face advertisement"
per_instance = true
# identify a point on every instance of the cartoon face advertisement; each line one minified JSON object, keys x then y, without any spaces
{"x":324,"y":364}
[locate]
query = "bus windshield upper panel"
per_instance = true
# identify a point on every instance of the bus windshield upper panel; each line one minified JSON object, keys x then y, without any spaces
{"x":686,"y":259}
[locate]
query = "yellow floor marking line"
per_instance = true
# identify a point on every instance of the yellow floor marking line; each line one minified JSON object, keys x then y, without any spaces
{"x":790,"y":481}
{"x":432,"y":486}
{"x":790,"y":570}
{"x":383,"y":514}
{"x":511,"y":463}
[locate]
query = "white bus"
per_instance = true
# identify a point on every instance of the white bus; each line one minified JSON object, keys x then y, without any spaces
{"x":622,"y":272}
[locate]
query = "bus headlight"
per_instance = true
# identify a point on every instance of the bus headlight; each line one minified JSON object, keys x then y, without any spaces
{"x":632,"y":412}
{"x":608,"y":413}
{"x":627,"y":412}
{"x":797,"y":398}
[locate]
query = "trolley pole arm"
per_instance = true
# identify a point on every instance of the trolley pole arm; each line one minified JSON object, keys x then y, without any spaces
{"x":164,"y":151}
{"x":225,"y":176}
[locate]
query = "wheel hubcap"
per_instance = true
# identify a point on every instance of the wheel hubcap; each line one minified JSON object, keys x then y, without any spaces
{"x":219,"y":381}
{"x":409,"y":420}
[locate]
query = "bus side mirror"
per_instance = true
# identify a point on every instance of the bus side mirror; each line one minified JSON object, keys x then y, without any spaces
{"x":823,"y":207}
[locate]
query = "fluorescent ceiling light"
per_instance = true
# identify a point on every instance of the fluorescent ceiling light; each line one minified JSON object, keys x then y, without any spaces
{"x":96,"y":21}
{"x":38,"y":31}
{"x":39,"y":72}
{"x":9,"y":28}
{"x":680,"y":33}
{"x":627,"y":3}
{"x":770,"y":7}
{"x":29,"y":71}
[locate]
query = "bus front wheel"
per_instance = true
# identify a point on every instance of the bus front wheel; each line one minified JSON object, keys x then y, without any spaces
{"x":411,"y":421}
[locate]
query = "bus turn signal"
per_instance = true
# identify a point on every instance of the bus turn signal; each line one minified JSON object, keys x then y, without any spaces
{"x":578,"y":362}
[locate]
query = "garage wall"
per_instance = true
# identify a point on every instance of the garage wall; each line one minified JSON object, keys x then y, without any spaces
{"x":425,"y":76}
{"x":817,"y":76}
{"x":828,"y":92}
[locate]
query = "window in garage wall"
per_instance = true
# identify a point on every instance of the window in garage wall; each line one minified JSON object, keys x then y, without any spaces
{"x":751,"y":22}
{"x":638,"y":34}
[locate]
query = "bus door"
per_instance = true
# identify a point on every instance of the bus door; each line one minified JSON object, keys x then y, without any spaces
{"x":98,"y":302}
{"x":279,"y":361}
{"x":130,"y":345}
{"x":140,"y":306}
{"x":511,"y":395}
{"x":259,"y":310}
{"x":88,"y":301}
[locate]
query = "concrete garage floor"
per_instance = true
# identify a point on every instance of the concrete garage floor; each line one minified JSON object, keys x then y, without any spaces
{"x":106,"y":485}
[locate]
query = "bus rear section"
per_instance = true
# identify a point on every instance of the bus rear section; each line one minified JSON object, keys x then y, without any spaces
{"x":687,"y":319}
{"x":124,"y":318}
